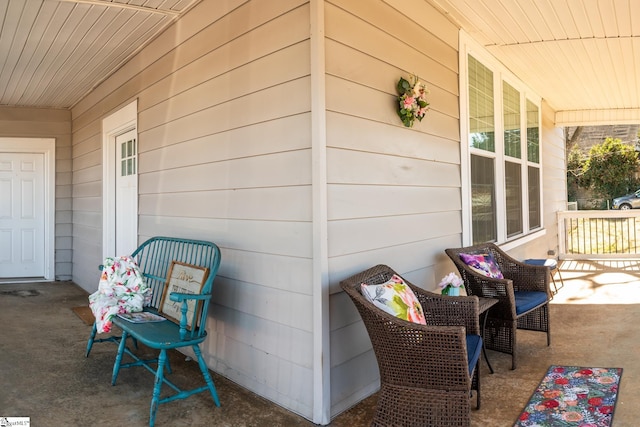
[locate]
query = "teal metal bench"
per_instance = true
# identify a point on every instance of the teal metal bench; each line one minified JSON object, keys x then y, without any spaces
{"x":154,"y":258}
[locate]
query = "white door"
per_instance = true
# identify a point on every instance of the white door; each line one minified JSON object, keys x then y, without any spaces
{"x":22,"y":215}
{"x":126,"y":203}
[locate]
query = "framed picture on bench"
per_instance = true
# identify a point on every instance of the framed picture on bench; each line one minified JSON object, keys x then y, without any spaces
{"x":182,"y":278}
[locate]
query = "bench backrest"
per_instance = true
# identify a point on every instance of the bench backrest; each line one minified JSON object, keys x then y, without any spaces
{"x":154,"y":259}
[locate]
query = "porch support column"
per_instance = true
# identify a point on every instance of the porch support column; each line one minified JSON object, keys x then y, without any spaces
{"x":321,"y":342}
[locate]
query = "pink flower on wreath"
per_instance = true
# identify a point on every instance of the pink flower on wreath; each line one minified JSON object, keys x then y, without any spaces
{"x":408,"y":102}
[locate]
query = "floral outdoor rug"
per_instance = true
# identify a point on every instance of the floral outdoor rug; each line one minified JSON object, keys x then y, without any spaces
{"x":571,"y":396}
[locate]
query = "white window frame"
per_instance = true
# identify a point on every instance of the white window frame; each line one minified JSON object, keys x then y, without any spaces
{"x":500,"y":74}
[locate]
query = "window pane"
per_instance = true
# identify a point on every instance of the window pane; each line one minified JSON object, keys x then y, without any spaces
{"x":513,"y":187}
{"x":511,"y":113}
{"x":533,"y":133}
{"x":534,"y":198}
{"x":483,"y":206}
{"x":481,"y":117}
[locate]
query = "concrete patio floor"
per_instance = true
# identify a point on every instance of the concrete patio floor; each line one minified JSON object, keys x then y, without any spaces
{"x":45,"y":376}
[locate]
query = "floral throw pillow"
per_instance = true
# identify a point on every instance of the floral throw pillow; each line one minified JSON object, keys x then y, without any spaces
{"x":484,"y":264}
{"x":396,"y":298}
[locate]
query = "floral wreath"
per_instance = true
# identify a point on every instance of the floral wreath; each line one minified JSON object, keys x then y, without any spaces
{"x":412,"y":100}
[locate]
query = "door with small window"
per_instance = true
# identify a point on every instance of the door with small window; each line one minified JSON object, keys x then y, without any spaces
{"x":126,"y":185}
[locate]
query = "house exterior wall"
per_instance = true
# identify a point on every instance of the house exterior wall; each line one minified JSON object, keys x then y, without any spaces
{"x":393,"y":192}
{"x":49,"y":123}
{"x":225,"y":154}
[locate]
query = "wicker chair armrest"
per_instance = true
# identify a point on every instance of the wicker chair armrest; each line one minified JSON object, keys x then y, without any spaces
{"x":441,"y":310}
{"x":500,"y":289}
{"x":526,"y":277}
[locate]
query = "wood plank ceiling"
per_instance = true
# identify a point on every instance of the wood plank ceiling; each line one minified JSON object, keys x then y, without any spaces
{"x":53,"y":52}
{"x":581,"y":56}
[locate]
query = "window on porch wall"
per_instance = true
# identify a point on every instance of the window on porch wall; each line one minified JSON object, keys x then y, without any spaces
{"x":502,"y":167}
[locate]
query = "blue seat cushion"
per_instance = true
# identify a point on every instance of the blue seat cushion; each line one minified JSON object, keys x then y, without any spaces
{"x":551,"y":263}
{"x":526,"y":300}
{"x":474,"y":346}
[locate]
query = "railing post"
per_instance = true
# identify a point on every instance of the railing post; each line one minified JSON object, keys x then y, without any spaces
{"x":562,"y":236}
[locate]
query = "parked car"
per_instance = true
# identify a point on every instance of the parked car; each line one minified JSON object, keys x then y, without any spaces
{"x":628,"y":201}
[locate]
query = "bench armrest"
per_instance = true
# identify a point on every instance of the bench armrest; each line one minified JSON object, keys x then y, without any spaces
{"x":184,"y":298}
{"x":181,"y":297}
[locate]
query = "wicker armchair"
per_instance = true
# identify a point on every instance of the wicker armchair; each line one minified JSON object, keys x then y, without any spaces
{"x":426,"y":373}
{"x":523,"y":296}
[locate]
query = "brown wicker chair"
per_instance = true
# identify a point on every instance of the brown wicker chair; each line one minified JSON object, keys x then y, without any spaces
{"x":424,"y":370}
{"x":514,"y":310}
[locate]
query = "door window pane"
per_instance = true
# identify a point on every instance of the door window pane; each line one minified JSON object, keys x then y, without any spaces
{"x":128,"y":156}
{"x":483,"y":205}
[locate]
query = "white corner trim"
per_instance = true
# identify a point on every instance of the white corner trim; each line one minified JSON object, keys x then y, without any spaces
{"x":320,"y":270}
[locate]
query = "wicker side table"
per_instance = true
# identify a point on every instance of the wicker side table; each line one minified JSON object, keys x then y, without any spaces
{"x":485,"y":304}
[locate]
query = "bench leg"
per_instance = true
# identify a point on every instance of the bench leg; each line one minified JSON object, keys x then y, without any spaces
{"x":206,"y":375}
{"x":116,"y":365}
{"x":155,"y":400}
{"x":92,"y":337}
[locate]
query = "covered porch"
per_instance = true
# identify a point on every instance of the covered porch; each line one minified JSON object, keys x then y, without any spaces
{"x":271,"y":129}
{"x":46,"y":377}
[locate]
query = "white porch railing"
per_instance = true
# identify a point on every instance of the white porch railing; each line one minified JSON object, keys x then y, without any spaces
{"x":599,"y":234}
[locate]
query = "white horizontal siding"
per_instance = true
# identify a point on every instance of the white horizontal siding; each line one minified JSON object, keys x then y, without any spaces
{"x":271,"y":170}
{"x":366,"y":201}
{"x":274,"y":136}
{"x":224,"y":155}
{"x":393,"y":192}
{"x":268,"y":375}
{"x":269,"y":237}
{"x":238,"y":204}
{"x":357,"y":167}
{"x":284,"y":307}
{"x":255,"y":76}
